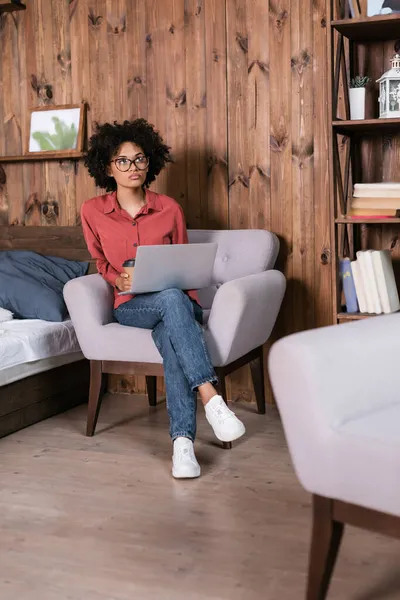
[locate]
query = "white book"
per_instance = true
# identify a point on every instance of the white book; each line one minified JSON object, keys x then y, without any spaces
{"x":358,"y":284}
{"x":387,"y":185}
{"x":370,"y":286}
{"x":373,"y":193}
{"x":384,"y":275}
{"x":389,"y":203}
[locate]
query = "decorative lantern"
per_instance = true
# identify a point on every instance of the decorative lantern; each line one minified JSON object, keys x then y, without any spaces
{"x":389,"y":84}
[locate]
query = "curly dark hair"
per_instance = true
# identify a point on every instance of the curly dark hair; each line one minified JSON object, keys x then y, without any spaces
{"x":108,"y":138}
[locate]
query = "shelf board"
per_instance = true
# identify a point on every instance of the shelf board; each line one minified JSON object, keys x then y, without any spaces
{"x":11,"y":7}
{"x":361,"y":220}
{"x":41,"y":157}
{"x":367,"y":126}
{"x":354,"y":316}
{"x":369,"y":29}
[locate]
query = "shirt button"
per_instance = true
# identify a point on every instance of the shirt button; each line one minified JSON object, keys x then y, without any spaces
{"x":133,"y":223}
{"x":134,"y":245}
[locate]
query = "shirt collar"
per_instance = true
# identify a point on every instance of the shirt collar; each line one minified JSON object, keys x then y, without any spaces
{"x":153,"y":203}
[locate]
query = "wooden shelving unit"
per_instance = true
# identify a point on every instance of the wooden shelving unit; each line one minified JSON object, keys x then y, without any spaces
{"x":365,"y":221}
{"x":359,"y":148}
{"x":367,"y":29}
{"x":342,"y":317}
{"x":367,"y":126}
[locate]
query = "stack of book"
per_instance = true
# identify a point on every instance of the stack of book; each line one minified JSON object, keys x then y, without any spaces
{"x":375,"y":200}
{"x":368,"y":283}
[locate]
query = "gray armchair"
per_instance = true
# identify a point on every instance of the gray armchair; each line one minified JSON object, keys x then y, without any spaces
{"x":240,"y":310}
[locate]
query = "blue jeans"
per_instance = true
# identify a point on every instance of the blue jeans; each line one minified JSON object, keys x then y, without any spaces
{"x":174,"y":319}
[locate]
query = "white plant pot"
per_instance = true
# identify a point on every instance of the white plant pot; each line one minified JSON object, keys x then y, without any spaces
{"x":357,"y":103}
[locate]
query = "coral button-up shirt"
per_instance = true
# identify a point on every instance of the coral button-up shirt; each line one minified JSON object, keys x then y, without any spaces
{"x":113,"y":236}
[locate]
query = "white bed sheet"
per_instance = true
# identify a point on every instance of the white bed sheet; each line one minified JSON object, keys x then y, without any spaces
{"x":27,"y":340}
{"x":12,"y":374}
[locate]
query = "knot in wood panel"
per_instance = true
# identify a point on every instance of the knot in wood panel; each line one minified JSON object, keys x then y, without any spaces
{"x":243,"y":42}
{"x":280,"y":16}
{"x":3,"y":178}
{"x":64,"y":60}
{"x":50,"y":210}
{"x":148,"y":39}
{"x":44,"y":90}
{"x":72,"y":8}
{"x":264,"y":67}
{"x":279,"y":142}
{"x":215,"y":55}
{"x":325,"y":256}
{"x":136,"y":80}
{"x":95,"y":21}
{"x":303,"y":153}
{"x":263,"y":172}
{"x":116,"y":25}
{"x":32,"y":201}
{"x":172,"y":29}
{"x":387,"y":142}
{"x":300,"y":62}
{"x":178,"y":100}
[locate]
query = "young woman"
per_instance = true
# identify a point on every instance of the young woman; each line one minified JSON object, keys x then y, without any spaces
{"x":125,"y":159}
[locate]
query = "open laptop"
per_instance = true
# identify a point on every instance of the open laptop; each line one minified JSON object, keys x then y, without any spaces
{"x":182,"y":266}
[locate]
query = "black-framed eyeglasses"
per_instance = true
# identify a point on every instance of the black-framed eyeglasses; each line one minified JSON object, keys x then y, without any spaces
{"x":123,"y":163}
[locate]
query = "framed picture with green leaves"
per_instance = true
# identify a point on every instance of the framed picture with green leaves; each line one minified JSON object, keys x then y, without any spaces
{"x":56,"y":130}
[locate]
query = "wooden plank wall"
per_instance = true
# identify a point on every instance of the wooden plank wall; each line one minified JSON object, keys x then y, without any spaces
{"x":237,"y":87}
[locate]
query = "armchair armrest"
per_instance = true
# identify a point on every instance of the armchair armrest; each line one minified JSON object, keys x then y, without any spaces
{"x":89,"y":300}
{"x":324,"y":378}
{"x":243,"y":314}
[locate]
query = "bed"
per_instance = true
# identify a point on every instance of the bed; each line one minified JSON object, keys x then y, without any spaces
{"x":42,"y":371}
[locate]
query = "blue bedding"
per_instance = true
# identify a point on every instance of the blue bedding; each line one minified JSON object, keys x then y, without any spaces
{"x":31,"y":285}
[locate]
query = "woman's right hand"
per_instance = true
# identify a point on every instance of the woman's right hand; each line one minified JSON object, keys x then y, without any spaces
{"x":123,"y":282}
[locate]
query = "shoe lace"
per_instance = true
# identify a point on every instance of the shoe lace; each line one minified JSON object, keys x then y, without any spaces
{"x":223,"y":412}
{"x":184,"y":453}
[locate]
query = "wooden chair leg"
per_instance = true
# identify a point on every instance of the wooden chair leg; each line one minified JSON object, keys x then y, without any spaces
{"x":151,"y":385}
{"x":257,"y":375}
{"x":221,"y":389}
{"x":95,"y":396}
{"x":326,"y":537}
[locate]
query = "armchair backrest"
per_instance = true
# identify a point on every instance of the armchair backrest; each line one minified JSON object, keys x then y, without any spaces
{"x":240,"y":252}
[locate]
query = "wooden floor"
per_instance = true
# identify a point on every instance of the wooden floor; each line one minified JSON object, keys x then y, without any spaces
{"x":102,"y":519}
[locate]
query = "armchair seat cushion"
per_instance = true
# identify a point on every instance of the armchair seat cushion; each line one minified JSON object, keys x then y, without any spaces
{"x":363,"y":462}
{"x":122,"y":343}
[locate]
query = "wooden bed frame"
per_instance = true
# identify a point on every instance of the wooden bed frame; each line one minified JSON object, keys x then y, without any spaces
{"x":43,"y":395}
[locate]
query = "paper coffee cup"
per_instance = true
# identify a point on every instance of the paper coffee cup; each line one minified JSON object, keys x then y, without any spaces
{"x":129,"y":266}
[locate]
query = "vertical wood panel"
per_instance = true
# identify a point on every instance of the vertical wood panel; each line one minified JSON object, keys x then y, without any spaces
{"x":239,"y":144}
{"x":175,"y":104}
{"x":136,"y":56}
{"x":258,"y":129}
{"x":217,"y":143}
{"x":322,"y":216}
{"x":196,"y":110}
{"x":237,"y":85}
{"x":281,"y":151}
{"x":302,"y":165}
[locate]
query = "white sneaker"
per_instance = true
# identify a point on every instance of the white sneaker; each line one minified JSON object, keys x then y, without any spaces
{"x":227,"y":427}
{"x":184,"y":462}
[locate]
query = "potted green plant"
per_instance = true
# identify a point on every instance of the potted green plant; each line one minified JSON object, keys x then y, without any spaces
{"x":357,"y":96}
